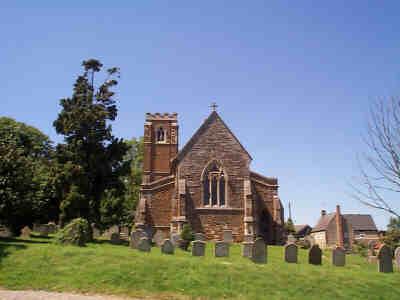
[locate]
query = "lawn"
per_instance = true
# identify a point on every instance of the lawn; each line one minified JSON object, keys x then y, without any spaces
{"x":100,"y":267}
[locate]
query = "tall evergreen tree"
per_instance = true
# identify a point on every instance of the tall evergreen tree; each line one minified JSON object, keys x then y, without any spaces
{"x":90,"y":152}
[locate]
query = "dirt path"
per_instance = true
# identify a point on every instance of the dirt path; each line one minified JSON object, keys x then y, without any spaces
{"x":41,"y":295}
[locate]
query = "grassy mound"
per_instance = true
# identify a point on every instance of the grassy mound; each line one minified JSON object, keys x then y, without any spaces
{"x":111,"y":269}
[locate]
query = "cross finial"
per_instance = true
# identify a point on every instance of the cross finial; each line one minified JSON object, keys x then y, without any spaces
{"x":214,"y":106}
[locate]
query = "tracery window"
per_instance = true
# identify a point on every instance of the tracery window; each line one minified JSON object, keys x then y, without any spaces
{"x":214,"y":185}
{"x":160,"y":134}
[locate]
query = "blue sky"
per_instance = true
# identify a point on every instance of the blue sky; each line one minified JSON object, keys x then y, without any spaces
{"x":294,"y":81}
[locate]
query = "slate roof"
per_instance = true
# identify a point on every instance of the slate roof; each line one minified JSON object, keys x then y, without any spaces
{"x":357,"y":221}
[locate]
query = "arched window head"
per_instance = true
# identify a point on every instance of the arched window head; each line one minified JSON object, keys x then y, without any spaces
{"x":160,"y":134}
{"x":214,"y":183}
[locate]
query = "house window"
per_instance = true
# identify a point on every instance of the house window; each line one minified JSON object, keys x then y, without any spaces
{"x":214,"y":183}
{"x":160,"y":135}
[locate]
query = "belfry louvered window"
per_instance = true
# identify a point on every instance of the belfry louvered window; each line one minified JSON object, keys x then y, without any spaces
{"x":214,"y":184}
{"x":160,"y":134}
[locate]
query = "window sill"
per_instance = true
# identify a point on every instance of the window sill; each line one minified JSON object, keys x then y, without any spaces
{"x":220,"y":208}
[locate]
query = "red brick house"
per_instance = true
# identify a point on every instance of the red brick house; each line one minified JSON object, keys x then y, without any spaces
{"x":208,"y":184}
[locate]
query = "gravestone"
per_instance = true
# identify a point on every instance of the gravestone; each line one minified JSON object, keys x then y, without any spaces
{"x":397,"y":257}
{"x":114,"y":238}
{"x":339,"y":257}
{"x":221,"y":249}
{"x":52,"y":227}
{"x":259,"y":251}
{"x":135,"y":238}
{"x":95,"y":231}
{"x":42,"y":229}
{"x":227,"y":236}
{"x":159,"y":237}
{"x":247,"y":249}
{"x":110,"y":231}
{"x":26,"y":232}
{"x":315,"y":255}
{"x":144,"y":244}
{"x":198,"y":248}
{"x":199,"y":236}
{"x":291,"y":239}
{"x":291,"y":253}
{"x":5,"y":232}
{"x":167,"y":247}
{"x":385,"y":264}
{"x":175,"y":237}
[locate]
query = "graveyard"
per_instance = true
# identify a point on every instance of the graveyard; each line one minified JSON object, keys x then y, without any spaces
{"x":101,"y":267}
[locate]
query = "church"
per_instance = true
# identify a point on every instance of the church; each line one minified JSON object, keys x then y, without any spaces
{"x":207,"y":184}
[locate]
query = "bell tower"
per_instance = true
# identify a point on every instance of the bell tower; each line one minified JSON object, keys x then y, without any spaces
{"x":160,"y":145}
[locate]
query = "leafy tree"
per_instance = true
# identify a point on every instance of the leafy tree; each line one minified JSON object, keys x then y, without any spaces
{"x":392,"y":237}
{"x":90,"y":151}
{"x":26,"y":192}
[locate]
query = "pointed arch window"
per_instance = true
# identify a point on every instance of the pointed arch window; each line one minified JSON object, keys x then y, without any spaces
{"x":214,"y":184}
{"x":160,"y":134}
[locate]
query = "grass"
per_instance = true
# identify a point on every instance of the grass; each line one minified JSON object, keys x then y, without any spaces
{"x":100,"y":267}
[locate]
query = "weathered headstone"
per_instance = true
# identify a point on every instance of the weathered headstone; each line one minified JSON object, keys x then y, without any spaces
{"x":135,"y":237}
{"x":339,"y":257}
{"x":26,"y":232}
{"x":144,"y":244}
{"x":385,"y":264}
{"x":175,"y":237}
{"x":315,"y":255}
{"x":198,"y":248}
{"x":227,"y":236}
{"x":397,"y":257}
{"x":114,"y":238}
{"x":221,"y":249}
{"x":199,"y":236}
{"x":291,"y":239}
{"x":159,"y":237}
{"x":167,"y":247}
{"x":247,"y":249}
{"x":259,"y":251}
{"x":291,"y":253}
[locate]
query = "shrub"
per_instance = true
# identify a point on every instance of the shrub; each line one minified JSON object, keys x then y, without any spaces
{"x":186,"y":237}
{"x":77,"y":232}
{"x":360,"y":249}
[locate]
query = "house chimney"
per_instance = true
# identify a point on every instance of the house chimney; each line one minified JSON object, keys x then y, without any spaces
{"x":339,"y":228}
{"x":323,"y":212}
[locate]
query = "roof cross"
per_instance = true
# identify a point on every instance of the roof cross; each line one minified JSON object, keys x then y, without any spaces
{"x":214,"y":106}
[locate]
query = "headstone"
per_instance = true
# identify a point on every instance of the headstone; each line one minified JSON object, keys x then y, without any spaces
{"x":339,"y":257}
{"x":95,"y":231}
{"x":247,"y":249}
{"x":291,"y":253}
{"x":26,"y":232}
{"x":315,"y":255}
{"x":397,"y":257}
{"x":110,"y":231}
{"x":175,"y":237}
{"x":385,"y":264}
{"x":144,"y":244}
{"x":198,"y":248}
{"x":199,"y":236}
{"x":135,"y":238}
{"x":167,"y":247}
{"x":259,"y":251}
{"x":221,"y":249}
{"x":124,"y":230}
{"x":5,"y":232}
{"x":114,"y":238}
{"x":227,"y":236}
{"x":52,"y":227}
{"x":159,"y":237}
{"x":42,"y":229}
{"x":291,"y":239}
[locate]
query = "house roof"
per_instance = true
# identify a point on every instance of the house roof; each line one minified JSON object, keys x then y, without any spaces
{"x":299,"y":228}
{"x":211,"y":118}
{"x":357,"y":222}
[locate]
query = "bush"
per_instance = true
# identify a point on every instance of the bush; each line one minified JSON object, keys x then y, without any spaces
{"x":360,"y":248}
{"x":186,"y":237}
{"x":77,"y":232}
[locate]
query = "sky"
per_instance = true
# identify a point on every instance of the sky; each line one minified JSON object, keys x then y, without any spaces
{"x":294,"y":80}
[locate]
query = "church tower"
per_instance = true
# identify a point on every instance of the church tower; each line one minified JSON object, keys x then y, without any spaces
{"x":160,"y":145}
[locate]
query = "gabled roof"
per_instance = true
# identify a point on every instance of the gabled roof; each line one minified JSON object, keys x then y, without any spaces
{"x":299,"y":228}
{"x":360,"y":222}
{"x":323,"y":222}
{"x":211,"y":118}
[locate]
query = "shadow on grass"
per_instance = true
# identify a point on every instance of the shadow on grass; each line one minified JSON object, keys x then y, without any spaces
{"x":25,"y":241}
{"x":102,"y":242}
{"x":6,"y":243}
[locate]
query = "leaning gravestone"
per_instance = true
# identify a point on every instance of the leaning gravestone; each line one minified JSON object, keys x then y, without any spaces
{"x":26,"y":232}
{"x":114,"y":238}
{"x":291,"y":253}
{"x":144,"y":244}
{"x":198,"y":248}
{"x":385,"y":264}
{"x":315,"y":255}
{"x":199,"y":236}
{"x":135,"y":238}
{"x":247,"y":249}
{"x":167,"y":247}
{"x":221,"y":249}
{"x":397,"y":257}
{"x":259,"y":251}
{"x":227,"y":236}
{"x":339,"y":257}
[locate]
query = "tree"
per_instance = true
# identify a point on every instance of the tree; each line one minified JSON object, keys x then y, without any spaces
{"x":26,"y":193}
{"x":90,"y":151}
{"x":392,"y":237}
{"x":289,"y":226}
{"x":380,"y":166}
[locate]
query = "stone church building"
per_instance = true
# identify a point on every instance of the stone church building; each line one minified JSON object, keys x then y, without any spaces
{"x":208,"y":184}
